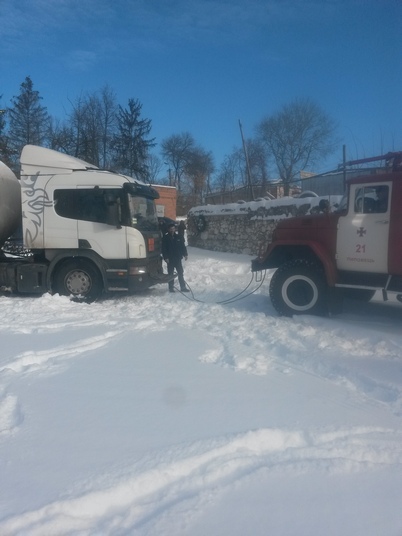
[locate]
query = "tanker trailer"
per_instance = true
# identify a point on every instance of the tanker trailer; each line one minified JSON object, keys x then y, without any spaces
{"x":10,"y":203}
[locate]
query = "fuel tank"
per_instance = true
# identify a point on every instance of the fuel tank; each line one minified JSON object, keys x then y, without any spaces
{"x":10,"y":203}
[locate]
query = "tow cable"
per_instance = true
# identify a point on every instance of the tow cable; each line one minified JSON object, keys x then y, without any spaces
{"x":233,"y":299}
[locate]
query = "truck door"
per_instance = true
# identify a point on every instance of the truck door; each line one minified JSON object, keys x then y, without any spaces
{"x":363,"y":233}
{"x":395,"y":231}
{"x":94,"y":227}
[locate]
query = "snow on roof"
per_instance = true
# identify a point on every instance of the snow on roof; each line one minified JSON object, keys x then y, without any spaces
{"x":258,"y":206}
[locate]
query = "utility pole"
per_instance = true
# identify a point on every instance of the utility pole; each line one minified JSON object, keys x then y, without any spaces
{"x":247,"y":164}
{"x":344,"y":167}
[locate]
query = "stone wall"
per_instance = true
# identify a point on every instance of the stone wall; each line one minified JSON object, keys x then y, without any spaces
{"x":245,"y":227}
{"x":234,"y":234}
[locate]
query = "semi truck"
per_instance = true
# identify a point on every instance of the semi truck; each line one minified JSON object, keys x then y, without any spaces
{"x":88,"y":231}
{"x":352,"y":252}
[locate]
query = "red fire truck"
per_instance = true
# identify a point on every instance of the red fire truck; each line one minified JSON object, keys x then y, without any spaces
{"x":354,"y":251}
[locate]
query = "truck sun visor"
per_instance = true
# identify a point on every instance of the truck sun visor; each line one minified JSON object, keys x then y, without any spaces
{"x":143,"y":190}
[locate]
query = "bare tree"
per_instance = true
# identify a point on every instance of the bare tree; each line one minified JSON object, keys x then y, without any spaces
{"x":154,"y":166}
{"x":61,"y":137}
{"x":197,"y":171}
{"x":296,"y":137}
{"x":108,"y":122}
{"x":225,"y":180}
{"x":92,"y":130}
{"x":176,"y":150}
{"x":92,"y":125}
{"x":257,"y":158}
{"x":231,"y":174}
{"x":77,"y":123}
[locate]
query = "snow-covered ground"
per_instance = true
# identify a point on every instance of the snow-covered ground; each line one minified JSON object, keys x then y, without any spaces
{"x":162,"y":415}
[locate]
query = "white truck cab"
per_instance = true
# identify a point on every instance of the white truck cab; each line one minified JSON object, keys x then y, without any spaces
{"x":90,"y":231}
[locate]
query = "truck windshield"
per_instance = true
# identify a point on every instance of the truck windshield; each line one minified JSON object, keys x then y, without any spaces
{"x":143,"y":214}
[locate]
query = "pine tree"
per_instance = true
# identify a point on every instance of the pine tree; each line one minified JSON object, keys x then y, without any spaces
{"x":29,"y":121}
{"x":5,"y":151}
{"x":131,"y":144}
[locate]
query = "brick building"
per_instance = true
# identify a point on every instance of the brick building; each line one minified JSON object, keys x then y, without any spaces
{"x":166,"y":204}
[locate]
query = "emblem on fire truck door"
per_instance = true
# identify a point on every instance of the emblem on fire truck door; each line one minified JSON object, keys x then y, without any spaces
{"x":361,"y":231}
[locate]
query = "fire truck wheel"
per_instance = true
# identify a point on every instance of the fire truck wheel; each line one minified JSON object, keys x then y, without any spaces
{"x":79,"y":279}
{"x":298,"y":287}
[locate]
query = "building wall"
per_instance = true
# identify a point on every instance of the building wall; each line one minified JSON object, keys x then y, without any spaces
{"x":334,"y":183}
{"x":166,"y":204}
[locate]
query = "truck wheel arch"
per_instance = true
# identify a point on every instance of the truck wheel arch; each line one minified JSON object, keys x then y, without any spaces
{"x":79,"y":277}
{"x":310,"y":252}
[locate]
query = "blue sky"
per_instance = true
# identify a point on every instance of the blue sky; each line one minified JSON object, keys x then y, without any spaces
{"x":199,"y":66}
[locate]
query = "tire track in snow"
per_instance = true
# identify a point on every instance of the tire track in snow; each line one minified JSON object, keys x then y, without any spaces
{"x":247,"y":340}
{"x":249,"y":336}
{"x":10,"y":414}
{"x":257,"y":342}
{"x":187,"y":476}
{"x":262,"y":343}
{"x":44,"y":359}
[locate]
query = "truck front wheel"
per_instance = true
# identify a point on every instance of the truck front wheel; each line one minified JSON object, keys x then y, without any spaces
{"x":298,"y":287}
{"x":79,"y":279}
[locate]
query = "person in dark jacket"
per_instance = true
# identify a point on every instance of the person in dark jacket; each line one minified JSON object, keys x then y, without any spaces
{"x":173,"y":250}
{"x":181,"y":228}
